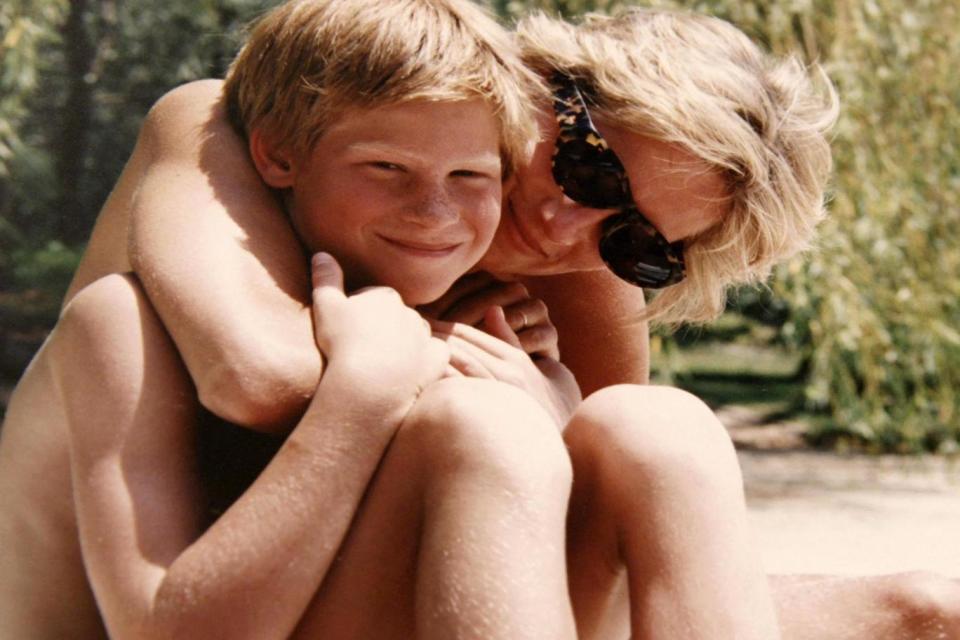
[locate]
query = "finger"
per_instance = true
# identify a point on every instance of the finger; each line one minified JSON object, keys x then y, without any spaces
{"x":495,"y":322}
{"x":482,"y":340}
{"x":441,"y":328}
{"x":470,"y":309}
{"x":476,"y":361}
{"x":526,"y":313}
{"x":327,"y":277}
{"x":540,"y":340}
{"x":468,"y":360}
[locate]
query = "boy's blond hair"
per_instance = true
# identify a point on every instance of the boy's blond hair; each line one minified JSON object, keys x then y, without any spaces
{"x":699,"y":82}
{"x":307,"y":61}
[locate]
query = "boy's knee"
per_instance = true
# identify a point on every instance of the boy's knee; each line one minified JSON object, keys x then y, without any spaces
{"x":654,"y":431}
{"x":927,"y":602}
{"x":100,"y":307}
{"x":108,"y":331}
{"x":470,"y":425}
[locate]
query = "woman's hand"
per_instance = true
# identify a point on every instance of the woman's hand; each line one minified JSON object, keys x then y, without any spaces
{"x":478,"y":354}
{"x":523,"y":323}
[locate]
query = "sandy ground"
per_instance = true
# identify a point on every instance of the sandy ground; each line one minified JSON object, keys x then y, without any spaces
{"x":816,"y":512}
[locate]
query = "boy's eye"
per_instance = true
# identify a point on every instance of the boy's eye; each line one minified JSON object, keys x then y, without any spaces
{"x":469,"y":173}
{"x":385,"y":166}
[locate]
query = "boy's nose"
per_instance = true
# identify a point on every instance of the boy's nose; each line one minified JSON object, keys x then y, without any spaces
{"x":433,"y":208}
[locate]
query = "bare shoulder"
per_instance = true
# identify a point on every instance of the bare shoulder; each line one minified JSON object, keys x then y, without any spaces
{"x":602,"y":340}
{"x":580,"y":292}
{"x":189,"y":112}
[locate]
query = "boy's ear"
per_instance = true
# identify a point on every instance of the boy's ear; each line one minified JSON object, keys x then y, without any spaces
{"x":275,"y":165}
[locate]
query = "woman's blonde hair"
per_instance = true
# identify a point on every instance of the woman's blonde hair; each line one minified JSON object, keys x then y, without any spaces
{"x":699,"y":82}
{"x":307,"y":61}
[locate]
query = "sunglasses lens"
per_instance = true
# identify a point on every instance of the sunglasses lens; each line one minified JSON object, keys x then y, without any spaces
{"x":636,"y":255}
{"x":588,"y":175}
{"x":589,"y":172}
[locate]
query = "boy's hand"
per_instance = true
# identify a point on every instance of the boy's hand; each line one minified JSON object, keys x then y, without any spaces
{"x":478,"y":354}
{"x":372,"y":335}
{"x":523,"y":323}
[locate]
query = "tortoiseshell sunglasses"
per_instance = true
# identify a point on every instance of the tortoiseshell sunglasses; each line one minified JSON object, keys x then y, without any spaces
{"x":589,"y":172}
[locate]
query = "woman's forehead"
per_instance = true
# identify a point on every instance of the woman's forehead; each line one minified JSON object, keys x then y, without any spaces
{"x":680,"y":193}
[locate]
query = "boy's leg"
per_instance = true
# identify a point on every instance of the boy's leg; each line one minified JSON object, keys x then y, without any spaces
{"x":461,"y":533}
{"x":658,"y":506}
{"x":118,"y":372}
{"x":918,"y":606}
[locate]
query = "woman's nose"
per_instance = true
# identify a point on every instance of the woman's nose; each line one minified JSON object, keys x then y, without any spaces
{"x":571,"y":223}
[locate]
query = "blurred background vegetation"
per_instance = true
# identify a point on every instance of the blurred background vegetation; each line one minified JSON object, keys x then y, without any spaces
{"x":861,"y":337}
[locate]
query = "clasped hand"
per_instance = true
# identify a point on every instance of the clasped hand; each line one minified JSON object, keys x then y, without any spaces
{"x":481,"y":328}
{"x":497,"y":330}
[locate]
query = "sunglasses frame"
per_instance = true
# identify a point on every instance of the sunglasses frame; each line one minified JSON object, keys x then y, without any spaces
{"x":580,"y":143}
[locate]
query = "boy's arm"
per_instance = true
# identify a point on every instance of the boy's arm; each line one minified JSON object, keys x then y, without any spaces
{"x":595,"y":314}
{"x":221,"y":265}
{"x":133,"y":461}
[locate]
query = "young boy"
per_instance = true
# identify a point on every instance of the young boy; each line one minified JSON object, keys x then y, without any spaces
{"x":386,"y":127}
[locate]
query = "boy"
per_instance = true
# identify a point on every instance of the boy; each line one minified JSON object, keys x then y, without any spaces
{"x":406,"y":114}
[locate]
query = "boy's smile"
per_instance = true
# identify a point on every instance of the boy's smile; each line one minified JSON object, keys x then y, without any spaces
{"x":406,"y":196}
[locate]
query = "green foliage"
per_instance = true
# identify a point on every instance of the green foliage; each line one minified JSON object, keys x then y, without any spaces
{"x":25,"y":26}
{"x":40,"y":277}
{"x":878,"y":306}
{"x":49,"y":267}
{"x":73,"y":94}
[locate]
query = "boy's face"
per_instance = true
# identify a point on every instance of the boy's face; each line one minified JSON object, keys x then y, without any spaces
{"x":406,"y":196}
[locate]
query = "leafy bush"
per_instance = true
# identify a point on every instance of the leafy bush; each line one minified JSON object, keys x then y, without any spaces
{"x":878,"y":306}
{"x":39,"y":278}
{"x":49,"y":267}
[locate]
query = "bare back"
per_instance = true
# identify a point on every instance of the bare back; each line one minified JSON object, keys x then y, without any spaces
{"x":44,"y":591}
{"x":43,"y":588}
